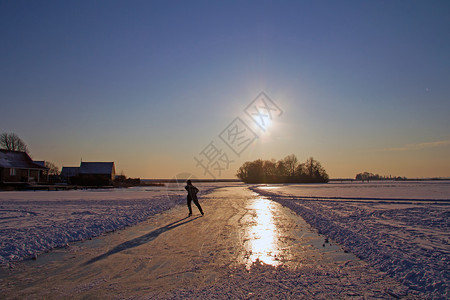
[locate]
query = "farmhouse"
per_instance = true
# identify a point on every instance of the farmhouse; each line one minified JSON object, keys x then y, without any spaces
{"x":18,"y":167}
{"x":90,"y":174}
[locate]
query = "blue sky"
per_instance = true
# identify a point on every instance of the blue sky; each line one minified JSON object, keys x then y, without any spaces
{"x":364,"y":85}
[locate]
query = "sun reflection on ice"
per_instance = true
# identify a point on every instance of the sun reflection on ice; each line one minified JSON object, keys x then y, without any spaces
{"x":262,"y":243}
{"x":269,"y":187}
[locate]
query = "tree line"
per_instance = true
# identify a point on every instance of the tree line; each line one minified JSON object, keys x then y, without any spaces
{"x":367,"y":176}
{"x":286,"y":170}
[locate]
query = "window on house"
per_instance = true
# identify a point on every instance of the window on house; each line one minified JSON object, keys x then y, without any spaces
{"x":12,"y":172}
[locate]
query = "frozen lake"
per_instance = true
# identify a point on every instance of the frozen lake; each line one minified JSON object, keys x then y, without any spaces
{"x":382,"y":190}
{"x":246,"y":246}
{"x":400,"y":228}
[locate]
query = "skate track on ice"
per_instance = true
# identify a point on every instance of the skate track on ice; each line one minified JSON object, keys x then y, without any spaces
{"x":245,"y":246}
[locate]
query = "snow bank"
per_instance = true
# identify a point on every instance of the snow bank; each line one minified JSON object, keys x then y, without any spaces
{"x":35,"y":222}
{"x":407,"y":239}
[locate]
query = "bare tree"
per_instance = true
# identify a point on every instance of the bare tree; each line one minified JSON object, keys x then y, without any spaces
{"x":12,"y":142}
{"x":251,"y":171}
{"x":291,"y":163}
{"x":52,"y":168}
{"x":270,"y":167}
{"x":313,"y":170}
{"x":281,"y":168}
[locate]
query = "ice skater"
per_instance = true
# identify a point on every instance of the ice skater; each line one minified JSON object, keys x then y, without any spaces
{"x":192,"y":196}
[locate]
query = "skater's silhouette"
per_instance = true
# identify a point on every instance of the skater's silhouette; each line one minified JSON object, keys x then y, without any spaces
{"x":192,"y":196}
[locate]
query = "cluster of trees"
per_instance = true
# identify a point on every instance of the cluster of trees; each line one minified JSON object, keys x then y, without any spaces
{"x":286,"y":170}
{"x":366,"y":176}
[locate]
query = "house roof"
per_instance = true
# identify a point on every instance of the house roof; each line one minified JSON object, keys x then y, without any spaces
{"x":40,"y":162}
{"x":17,"y":160}
{"x":70,"y":171}
{"x":97,"y":168}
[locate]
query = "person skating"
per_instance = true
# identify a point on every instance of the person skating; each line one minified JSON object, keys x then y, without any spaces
{"x":192,"y":196}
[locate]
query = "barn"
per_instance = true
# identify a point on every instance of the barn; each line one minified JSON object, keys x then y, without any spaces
{"x":97,"y":173}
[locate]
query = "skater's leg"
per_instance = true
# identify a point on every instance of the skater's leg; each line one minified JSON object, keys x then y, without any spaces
{"x":198,"y":205}
{"x":189,"y":205}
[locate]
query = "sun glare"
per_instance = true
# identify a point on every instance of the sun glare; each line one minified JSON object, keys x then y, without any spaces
{"x":264,"y":121}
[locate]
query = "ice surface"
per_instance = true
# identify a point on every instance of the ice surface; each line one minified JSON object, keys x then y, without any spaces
{"x":402,"y":228}
{"x":245,"y":247}
{"x":33,"y":222}
{"x":383,"y":190}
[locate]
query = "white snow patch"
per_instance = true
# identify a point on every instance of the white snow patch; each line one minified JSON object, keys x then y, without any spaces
{"x":402,"y":229}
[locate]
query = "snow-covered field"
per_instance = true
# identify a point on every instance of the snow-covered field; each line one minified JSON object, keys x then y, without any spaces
{"x":35,"y":222}
{"x":401,"y":228}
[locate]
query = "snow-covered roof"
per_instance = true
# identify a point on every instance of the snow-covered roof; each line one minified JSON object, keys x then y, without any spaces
{"x":97,"y":168}
{"x":17,"y":160}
